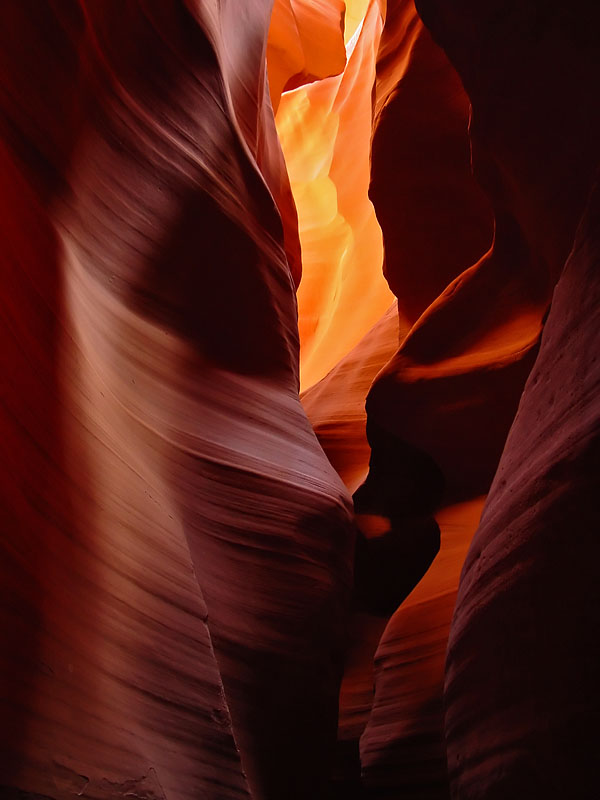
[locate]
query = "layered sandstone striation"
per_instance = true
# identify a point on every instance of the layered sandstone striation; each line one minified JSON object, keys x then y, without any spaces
{"x":521,"y":715}
{"x":439,"y":409}
{"x":176,"y":549}
{"x":325,"y":130}
{"x":452,"y":389}
{"x":207,"y":207}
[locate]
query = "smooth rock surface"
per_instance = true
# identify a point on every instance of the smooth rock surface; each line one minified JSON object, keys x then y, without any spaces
{"x":176,"y":549}
{"x":521,"y":714}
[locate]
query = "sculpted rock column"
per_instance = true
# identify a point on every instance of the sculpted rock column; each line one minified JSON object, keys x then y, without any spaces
{"x":176,"y":549}
{"x":521,"y":690}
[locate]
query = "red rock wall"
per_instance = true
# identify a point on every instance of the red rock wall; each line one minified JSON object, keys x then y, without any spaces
{"x":454,"y":385}
{"x":439,"y":411}
{"x":521,"y":689}
{"x":521,"y":702}
{"x":176,"y":549}
{"x":177,"y":544}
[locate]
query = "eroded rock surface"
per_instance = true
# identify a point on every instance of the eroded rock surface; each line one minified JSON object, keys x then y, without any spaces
{"x":177,"y":551}
{"x":182,"y":598}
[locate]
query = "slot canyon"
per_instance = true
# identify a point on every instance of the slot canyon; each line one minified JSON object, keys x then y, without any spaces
{"x":300,"y":413}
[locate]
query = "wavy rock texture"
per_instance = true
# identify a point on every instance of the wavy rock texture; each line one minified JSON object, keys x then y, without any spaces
{"x":305,"y":44}
{"x":176,"y":547}
{"x":446,"y":398}
{"x":522,"y":716}
{"x":533,"y":67}
{"x":325,"y":132}
{"x":177,"y":550}
{"x":435,"y":219}
{"x":451,"y":391}
{"x":401,"y":748}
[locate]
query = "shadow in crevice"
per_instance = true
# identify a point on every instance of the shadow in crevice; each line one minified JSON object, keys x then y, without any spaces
{"x":404,"y":487}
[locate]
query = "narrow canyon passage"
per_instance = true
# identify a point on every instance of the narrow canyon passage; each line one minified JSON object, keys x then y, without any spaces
{"x":300,"y":418}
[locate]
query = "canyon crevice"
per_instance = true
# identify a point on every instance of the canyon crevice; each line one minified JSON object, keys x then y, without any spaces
{"x":300,"y":424}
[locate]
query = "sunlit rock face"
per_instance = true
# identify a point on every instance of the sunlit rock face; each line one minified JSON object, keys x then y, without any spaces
{"x":209,"y":208}
{"x":473,"y":273}
{"x":450,"y":377}
{"x":176,"y":548}
{"x":325,"y":131}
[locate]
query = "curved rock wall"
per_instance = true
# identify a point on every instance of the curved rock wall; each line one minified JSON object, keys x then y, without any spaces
{"x":521,"y":690}
{"x":325,"y":130}
{"x":521,"y":702}
{"x":182,"y":595}
{"x":176,"y":549}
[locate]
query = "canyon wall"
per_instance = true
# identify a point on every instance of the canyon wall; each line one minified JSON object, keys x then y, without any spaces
{"x":521,"y":697}
{"x":176,"y":548}
{"x":209,"y":207}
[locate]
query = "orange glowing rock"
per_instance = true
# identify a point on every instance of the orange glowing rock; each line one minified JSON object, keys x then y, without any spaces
{"x":402,"y":746}
{"x":305,"y":43}
{"x":190,"y":191}
{"x":336,"y":404}
{"x":325,"y":132}
{"x":450,"y":391}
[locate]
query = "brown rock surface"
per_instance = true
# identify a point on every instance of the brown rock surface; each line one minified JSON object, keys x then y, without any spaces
{"x":434,"y":217}
{"x":521,"y":702}
{"x":449,"y":393}
{"x":402,"y":748}
{"x":451,"y":390}
{"x":176,"y":550}
{"x":521,"y":686}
